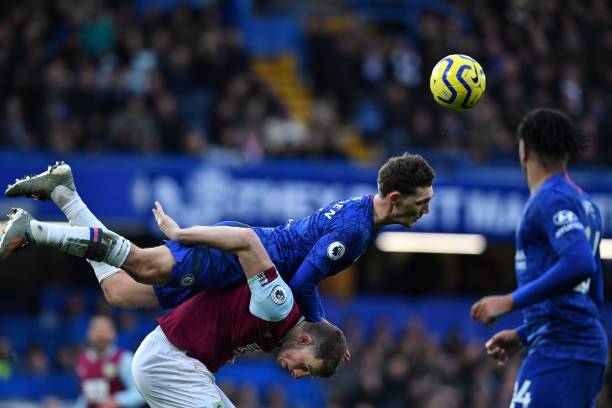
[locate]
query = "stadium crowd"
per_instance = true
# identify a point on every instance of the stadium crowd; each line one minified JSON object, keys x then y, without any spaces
{"x":98,"y":76}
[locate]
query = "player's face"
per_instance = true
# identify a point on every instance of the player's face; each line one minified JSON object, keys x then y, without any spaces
{"x":101,"y":333}
{"x":298,"y":361}
{"x":408,"y":209}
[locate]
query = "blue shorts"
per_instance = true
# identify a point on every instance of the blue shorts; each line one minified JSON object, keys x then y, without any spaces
{"x":546,"y":382}
{"x":198,"y":268}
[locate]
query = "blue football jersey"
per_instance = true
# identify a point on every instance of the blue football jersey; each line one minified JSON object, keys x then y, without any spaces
{"x":332,"y":238}
{"x":568,"y":326}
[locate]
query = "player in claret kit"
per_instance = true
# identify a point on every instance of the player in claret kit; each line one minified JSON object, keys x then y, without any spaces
{"x":174,"y":364}
{"x":105,"y":370}
{"x":559,"y":275}
{"x":305,"y":251}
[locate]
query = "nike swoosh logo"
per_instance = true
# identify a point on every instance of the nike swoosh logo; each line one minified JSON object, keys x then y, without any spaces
{"x":475,"y":78}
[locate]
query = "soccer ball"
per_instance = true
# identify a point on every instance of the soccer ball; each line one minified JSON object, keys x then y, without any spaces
{"x":457,"y":82}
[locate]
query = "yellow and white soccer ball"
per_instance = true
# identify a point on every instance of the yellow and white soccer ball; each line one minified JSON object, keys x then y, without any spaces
{"x":457,"y":82}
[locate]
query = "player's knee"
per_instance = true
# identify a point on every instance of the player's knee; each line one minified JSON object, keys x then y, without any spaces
{"x":114,"y":293}
{"x":150,"y":274}
{"x":113,"y":298}
{"x":150,"y":267}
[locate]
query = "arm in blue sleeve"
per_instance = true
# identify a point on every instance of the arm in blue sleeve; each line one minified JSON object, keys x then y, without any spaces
{"x":522,"y":331}
{"x":575,"y":265}
{"x":130,"y":397}
{"x":305,"y":291}
{"x":321,"y":310}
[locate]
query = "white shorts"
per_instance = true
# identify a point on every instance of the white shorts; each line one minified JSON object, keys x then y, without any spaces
{"x":167,"y":378}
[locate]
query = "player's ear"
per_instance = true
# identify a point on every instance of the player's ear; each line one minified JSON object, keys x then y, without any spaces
{"x":523,"y":152}
{"x":393,"y":196}
{"x":305,"y":339}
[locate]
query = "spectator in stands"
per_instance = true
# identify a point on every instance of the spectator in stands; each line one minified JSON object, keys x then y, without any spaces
{"x":105,"y":371}
{"x":88,"y":70}
{"x":37,"y":361}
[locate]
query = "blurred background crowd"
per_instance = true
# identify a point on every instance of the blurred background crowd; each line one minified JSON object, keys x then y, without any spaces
{"x":188,"y":78}
{"x":397,"y":361}
{"x":110,"y":76}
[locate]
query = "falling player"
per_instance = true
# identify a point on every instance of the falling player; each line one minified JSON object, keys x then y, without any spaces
{"x":305,"y":251}
{"x":559,"y":275}
{"x":174,"y":364}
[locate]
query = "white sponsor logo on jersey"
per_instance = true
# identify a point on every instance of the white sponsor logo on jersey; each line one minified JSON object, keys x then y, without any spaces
{"x":520,"y":260}
{"x":336,"y":250}
{"x":568,"y":227}
{"x":279,"y":295}
{"x":249,"y":348}
{"x":564,"y":217}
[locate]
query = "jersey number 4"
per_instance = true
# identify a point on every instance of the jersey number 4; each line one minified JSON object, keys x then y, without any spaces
{"x":521,"y":395}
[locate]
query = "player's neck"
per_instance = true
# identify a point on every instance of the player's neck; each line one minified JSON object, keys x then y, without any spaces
{"x":293,"y":332}
{"x":537,"y":174}
{"x":379,"y":212}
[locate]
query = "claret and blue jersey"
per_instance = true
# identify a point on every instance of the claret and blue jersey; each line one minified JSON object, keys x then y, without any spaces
{"x":557,"y":244}
{"x":305,"y":251}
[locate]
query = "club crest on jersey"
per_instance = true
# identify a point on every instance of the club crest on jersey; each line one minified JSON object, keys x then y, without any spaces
{"x":187,"y":280}
{"x":109,"y":370}
{"x":336,"y":250}
{"x":564,"y":217}
{"x":279,"y":295}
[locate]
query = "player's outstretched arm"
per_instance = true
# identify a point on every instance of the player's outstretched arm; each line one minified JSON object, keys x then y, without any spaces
{"x":243,"y":242}
{"x":573,"y":266}
{"x":304,"y":286}
{"x":271,"y":298}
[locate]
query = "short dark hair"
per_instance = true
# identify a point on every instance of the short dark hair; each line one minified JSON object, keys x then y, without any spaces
{"x":329,"y":344}
{"x":405,"y":174}
{"x":551,"y":134}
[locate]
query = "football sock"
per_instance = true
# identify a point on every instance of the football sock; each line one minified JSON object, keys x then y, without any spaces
{"x":61,"y":195}
{"x":78,"y":214}
{"x":92,"y":243}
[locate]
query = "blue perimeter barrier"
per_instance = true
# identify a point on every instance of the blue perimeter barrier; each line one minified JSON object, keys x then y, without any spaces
{"x":121,"y":189}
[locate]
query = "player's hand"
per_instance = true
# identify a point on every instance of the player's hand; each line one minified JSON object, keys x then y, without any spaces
{"x":489,"y":308}
{"x":503,"y":345}
{"x":166,"y":224}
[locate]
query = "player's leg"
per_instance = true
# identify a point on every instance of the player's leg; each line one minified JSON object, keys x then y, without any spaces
{"x":151,"y":265}
{"x":168,"y":378}
{"x":556,"y":383}
{"x":57,"y":184}
{"x":121,"y":290}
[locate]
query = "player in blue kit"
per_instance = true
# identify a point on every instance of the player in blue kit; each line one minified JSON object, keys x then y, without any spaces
{"x":305,"y":251}
{"x":559,"y":275}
